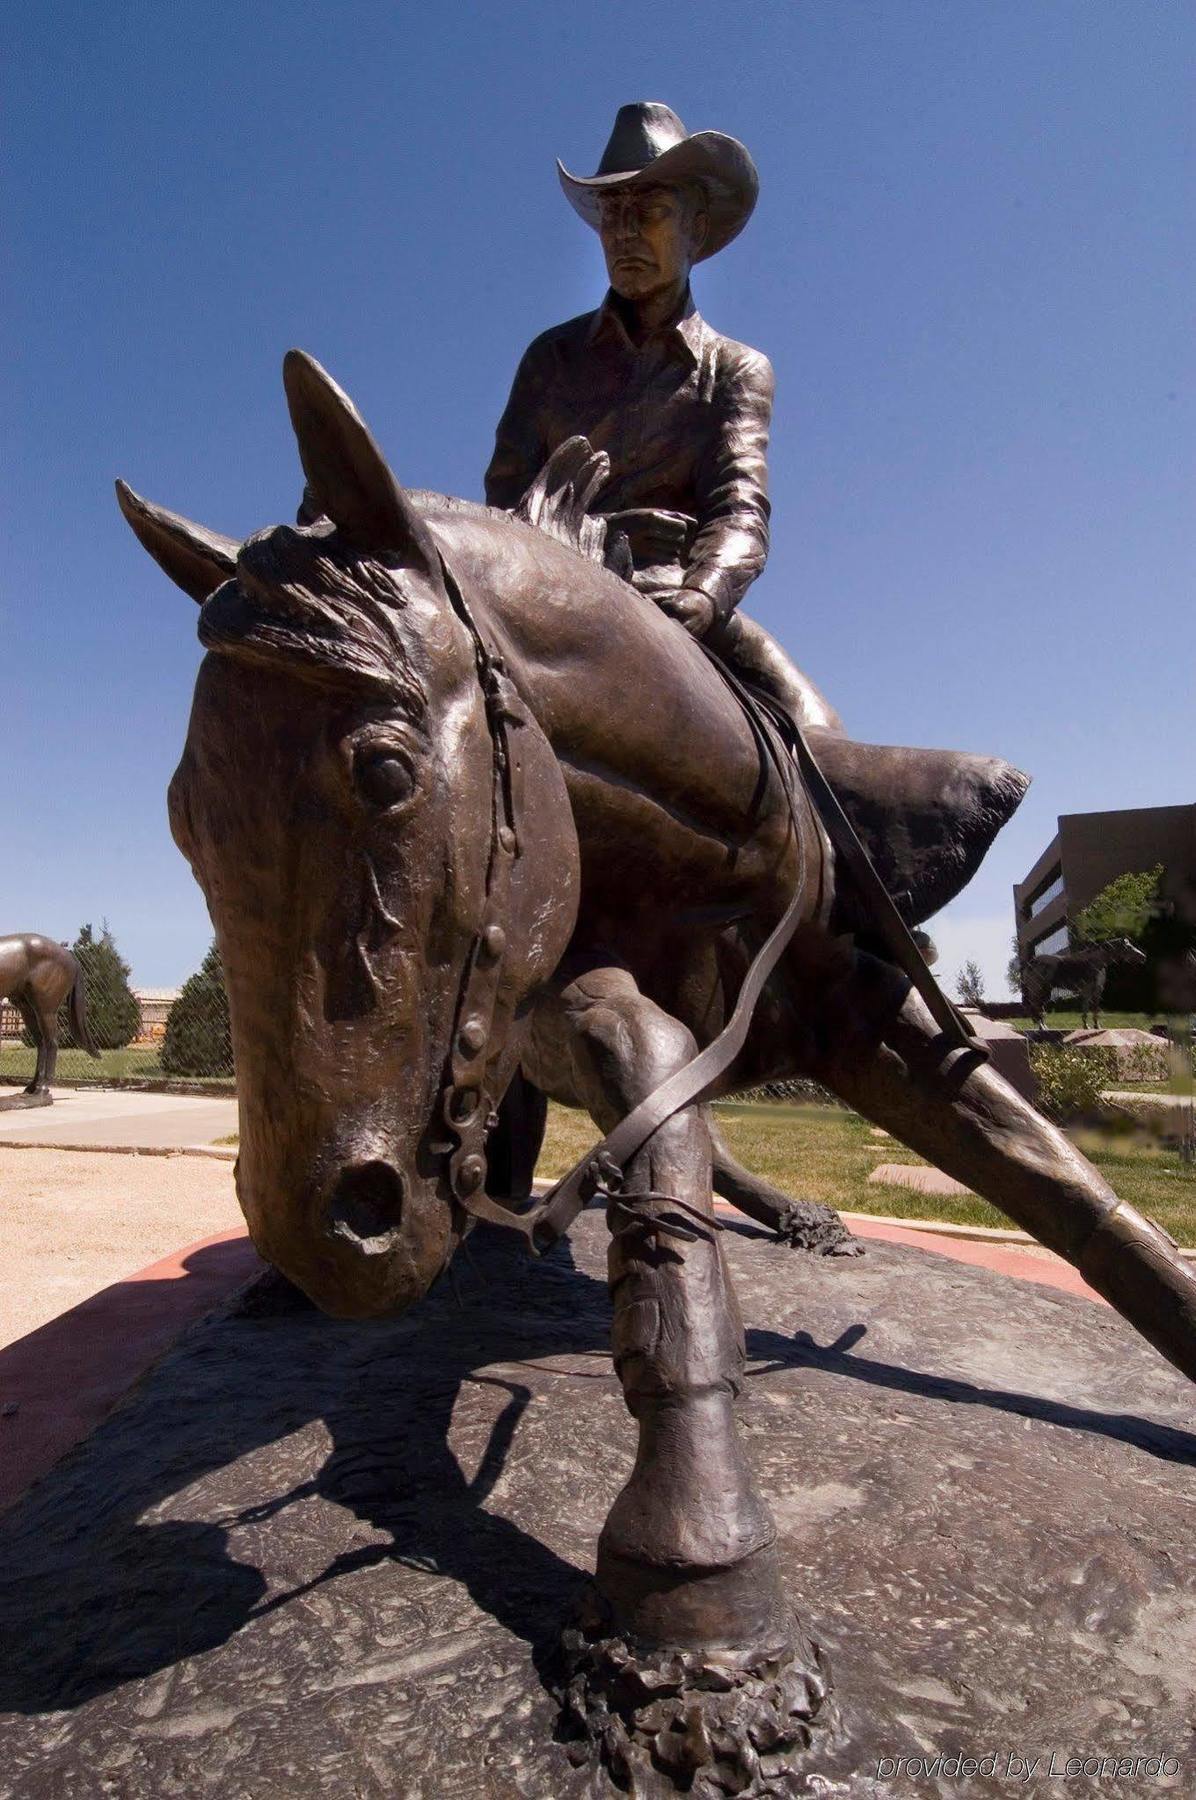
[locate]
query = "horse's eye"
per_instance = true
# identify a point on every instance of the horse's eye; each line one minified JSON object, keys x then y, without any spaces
{"x":384,"y":777}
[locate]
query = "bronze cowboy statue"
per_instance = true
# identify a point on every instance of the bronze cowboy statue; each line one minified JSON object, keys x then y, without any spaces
{"x":678,"y":417}
{"x":681,"y":412}
{"x":463,"y":800}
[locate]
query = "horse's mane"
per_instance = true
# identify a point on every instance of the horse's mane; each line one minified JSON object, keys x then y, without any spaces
{"x":304,"y":598}
{"x":427,"y":500}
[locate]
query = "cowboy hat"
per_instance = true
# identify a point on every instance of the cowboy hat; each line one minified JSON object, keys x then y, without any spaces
{"x":650,"y":147}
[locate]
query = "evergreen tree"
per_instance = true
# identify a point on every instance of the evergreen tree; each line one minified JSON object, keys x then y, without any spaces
{"x":113,"y":1014}
{"x":198,"y":1040}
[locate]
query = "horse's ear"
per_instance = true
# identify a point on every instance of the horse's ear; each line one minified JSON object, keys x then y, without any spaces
{"x":197,"y":559}
{"x":347,"y":473}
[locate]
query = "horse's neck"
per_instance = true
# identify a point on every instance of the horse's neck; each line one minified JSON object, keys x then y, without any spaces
{"x":583,"y":646}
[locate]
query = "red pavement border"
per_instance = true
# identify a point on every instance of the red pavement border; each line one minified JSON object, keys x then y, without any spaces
{"x":1024,"y":1262}
{"x":64,"y":1377}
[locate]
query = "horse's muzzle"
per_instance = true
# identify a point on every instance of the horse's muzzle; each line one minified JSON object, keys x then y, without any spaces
{"x":364,"y":1241}
{"x":365,"y":1207}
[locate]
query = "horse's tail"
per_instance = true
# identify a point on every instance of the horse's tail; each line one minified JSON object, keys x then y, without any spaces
{"x":80,"y":1030}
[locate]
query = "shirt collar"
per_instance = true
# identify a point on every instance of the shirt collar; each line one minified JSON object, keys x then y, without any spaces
{"x":683,"y":334}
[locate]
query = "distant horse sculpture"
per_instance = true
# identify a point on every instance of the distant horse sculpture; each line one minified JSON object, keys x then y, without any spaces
{"x":1082,"y":972}
{"x":38,"y":975}
{"x":463,"y":802}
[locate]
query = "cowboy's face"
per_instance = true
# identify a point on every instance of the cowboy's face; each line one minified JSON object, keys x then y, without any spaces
{"x":649,"y":239}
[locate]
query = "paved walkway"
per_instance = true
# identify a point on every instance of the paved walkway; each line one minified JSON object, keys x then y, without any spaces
{"x":71,"y":1222}
{"x":120,"y":1119}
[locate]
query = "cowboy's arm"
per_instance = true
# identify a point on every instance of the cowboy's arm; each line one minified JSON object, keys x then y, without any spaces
{"x":520,"y":450}
{"x":731,"y":545}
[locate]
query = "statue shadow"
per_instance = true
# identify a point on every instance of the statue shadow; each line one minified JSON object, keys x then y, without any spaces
{"x":768,"y":1352}
{"x":97,"y":1592}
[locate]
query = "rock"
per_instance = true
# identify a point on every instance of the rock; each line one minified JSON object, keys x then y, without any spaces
{"x":1136,"y":1055}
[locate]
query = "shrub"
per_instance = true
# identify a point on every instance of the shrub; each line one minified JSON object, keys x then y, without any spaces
{"x":198,"y":1040}
{"x":1071,"y":1079}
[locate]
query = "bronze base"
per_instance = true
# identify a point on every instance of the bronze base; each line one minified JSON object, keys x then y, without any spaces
{"x":709,"y":1723}
{"x":19,"y":1102}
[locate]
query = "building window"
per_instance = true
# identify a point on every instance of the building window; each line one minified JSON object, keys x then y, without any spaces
{"x":1047,"y":895}
{"x":1052,"y":944}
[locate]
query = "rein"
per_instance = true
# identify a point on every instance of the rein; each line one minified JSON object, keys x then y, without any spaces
{"x":468,"y":1110}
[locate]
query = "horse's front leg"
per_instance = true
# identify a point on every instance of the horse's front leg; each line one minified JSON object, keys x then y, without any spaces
{"x":691,"y":1611}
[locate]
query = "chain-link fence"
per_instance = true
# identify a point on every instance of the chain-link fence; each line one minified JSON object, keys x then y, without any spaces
{"x":138,"y":1035}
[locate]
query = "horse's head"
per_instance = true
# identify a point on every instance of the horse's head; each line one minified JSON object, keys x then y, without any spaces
{"x":1121,"y":950}
{"x":345,"y":804}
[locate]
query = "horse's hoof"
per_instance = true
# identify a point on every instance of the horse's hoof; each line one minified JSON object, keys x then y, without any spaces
{"x":30,"y":1096}
{"x":707,"y":1722}
{"x":807,"y":1225}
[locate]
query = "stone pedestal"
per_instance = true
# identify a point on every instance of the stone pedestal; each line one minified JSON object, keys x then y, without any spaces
{"x":311,"y":1558}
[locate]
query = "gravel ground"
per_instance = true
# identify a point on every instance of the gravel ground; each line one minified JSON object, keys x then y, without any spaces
{"x":72,"y":1223}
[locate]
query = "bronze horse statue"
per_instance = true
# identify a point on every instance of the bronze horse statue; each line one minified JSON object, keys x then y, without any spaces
{"x":1082,"y":972}
{"x":462,"y":804}
{"x":38,"y":975}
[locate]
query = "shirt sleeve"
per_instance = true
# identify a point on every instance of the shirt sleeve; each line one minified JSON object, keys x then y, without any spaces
{"x":519,"y":447}
{"x":731,"y":546}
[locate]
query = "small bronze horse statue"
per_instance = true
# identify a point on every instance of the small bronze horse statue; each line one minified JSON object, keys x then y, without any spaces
{"x":37,"y":975}
{"x":1082,"y":972}
{"x":463,"y":802}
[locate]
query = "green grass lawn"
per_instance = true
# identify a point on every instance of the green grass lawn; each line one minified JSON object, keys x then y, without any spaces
{"x":137,"y":1063}
{"x":824,"y":1153}
{"x":1063,"y":1019}
{"x":815,"y":1152}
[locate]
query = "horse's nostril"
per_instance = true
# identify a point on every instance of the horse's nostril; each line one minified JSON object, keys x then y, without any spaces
{"x":366,"y":1207}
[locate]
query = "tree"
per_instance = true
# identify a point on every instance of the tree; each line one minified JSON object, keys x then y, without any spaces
{"x":113,"y":1014}
{"x":198,"y":1040}
{"x":1122,"y":909}
{"x":1013,"y":969}
{"x":969,"y":985}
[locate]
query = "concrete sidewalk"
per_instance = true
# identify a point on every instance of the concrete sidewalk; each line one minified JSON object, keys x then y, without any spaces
{"x":75,"y":1221}
{"x":120,"y":1119}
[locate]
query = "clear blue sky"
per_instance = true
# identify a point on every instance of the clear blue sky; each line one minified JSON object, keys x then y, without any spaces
{"x":971,"y":266}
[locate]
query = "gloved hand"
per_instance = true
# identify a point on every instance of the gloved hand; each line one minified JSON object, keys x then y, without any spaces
{"x":691,"y":608}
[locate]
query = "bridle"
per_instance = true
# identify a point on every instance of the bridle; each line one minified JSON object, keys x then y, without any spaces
{"x":467,"y":1107}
